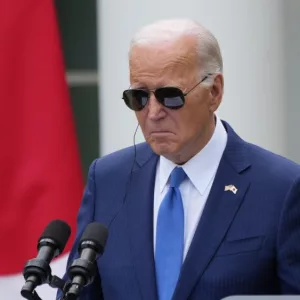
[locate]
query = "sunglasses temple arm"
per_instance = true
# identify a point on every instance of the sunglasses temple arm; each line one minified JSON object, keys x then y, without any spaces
{"x":195,"y":85}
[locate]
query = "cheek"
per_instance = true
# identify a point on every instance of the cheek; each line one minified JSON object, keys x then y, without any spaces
{"x":192,"y":121}
{"x":141,"y":118}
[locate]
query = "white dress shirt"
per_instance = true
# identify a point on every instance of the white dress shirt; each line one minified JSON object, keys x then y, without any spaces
{"x":200,"y":170}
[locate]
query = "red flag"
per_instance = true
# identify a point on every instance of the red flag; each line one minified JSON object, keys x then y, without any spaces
{"x":40,"y":175}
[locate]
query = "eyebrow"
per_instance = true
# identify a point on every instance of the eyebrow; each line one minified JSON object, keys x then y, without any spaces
{"x":172,"y":85}
{"x":138,"y":87}
{"x":142,"y":87}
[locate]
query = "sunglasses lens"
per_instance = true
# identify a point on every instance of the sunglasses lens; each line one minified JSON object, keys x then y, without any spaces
{"x":135,"y":99}
{"x":170,"y":97}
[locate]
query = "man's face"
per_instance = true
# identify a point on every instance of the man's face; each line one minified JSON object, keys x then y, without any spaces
{"x":175,"y":134}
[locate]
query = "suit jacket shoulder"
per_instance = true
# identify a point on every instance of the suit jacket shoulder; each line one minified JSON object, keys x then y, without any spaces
{"x":121,"y":162}
{"x":272,"y":171}
{"x":263,"y":166}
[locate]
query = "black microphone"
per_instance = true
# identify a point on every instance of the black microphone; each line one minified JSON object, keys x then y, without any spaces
{"x":83,"y":270}
{"x":51,"y":243}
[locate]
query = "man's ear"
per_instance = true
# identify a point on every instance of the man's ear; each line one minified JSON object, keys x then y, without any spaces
{"x":216,"y":92}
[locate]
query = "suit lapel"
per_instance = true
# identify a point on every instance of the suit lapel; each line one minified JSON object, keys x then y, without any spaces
{"x":219,"y":212}
{"x":140,"y":223}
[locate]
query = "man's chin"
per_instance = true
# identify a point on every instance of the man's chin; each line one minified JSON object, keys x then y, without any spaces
{"x":164,"y":149}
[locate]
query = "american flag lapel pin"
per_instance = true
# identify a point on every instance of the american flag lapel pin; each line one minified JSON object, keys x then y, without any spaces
{"x":231,"y":188}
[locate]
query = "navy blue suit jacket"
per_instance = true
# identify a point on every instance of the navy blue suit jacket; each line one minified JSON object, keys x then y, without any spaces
{"x":245,"y":243}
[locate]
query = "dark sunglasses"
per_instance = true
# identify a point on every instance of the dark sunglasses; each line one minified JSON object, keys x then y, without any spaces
{"x":170,"y":97}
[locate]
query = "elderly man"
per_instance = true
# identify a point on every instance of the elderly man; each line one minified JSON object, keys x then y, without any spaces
{"x":195,"y":212}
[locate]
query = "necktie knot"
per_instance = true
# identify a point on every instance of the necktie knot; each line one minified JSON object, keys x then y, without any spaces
{"x":177,"y":177}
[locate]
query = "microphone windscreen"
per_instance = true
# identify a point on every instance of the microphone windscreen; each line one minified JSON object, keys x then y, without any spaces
{"x":58,"y":231}
{"x":96,"y":233}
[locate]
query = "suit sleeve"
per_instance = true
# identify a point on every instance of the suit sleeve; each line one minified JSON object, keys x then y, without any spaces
{"x":86,"y":216}
{"x":288,"y":242}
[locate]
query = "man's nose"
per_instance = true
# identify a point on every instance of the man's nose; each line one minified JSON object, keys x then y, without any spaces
{"x":155,"y":110}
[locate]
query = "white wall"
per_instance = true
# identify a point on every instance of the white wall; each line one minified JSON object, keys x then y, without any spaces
{"x":292,"y":57}
{"x":251,"y":36}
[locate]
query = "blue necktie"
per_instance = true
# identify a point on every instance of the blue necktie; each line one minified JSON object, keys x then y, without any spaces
{"x":170,"y":238}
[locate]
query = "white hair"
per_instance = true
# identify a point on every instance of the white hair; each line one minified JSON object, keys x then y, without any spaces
{"x":208,"y":49}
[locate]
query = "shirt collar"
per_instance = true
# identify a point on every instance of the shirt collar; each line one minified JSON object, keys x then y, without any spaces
{"x":201,"y":168}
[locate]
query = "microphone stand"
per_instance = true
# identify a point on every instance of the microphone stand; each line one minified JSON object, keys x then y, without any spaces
{"x":72,"y":290}
{"x":54,"y":281}
{"x":28,"y":290}
{"x":26,"y":293}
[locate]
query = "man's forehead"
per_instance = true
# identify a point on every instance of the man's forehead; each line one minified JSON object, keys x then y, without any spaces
{"x":162,"y":62}
{"x":169,"y":49}
{"x":157,"y":76}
